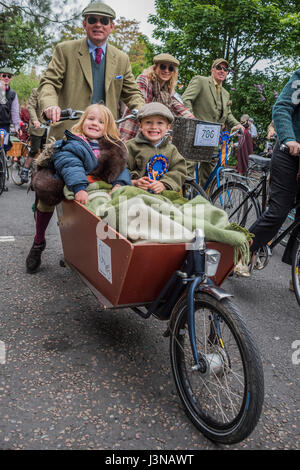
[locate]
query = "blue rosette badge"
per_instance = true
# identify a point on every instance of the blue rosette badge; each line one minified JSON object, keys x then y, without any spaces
{"x":157,"y":166}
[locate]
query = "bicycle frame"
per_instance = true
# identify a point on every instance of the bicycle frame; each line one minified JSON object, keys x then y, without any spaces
{"x":222,"y":161}
{"x":288,"y":230}
{"x":259,"y":189}
{"x":191,"y":277}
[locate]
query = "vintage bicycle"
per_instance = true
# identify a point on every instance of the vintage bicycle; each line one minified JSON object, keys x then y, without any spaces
{"x":245,"y":204}
{"x":215,"y":363}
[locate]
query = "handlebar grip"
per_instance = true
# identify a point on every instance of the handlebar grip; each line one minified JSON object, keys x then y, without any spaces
{"x":65,"y":113}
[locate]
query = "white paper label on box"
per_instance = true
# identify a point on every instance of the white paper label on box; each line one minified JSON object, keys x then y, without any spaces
{"x":104,"y":260}
{"x":207,"y":135}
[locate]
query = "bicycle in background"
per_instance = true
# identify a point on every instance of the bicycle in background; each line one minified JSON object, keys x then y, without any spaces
{"x":4,"y":175}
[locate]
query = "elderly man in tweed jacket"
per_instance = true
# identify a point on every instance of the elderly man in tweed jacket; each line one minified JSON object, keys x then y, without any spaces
{"x":82,"y":72}
{"x":77,"y":77}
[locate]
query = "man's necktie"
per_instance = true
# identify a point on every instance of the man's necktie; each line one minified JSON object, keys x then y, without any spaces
{"x":98,"y":55}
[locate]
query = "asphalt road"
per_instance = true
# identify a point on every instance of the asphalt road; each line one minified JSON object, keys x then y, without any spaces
{"x":73,"y":376}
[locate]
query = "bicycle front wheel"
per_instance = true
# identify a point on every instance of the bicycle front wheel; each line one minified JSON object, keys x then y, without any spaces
{"x":191,"y":189}
{"x":224,"y":397}
{"x":233,"y":197}
{"x":296,"y":267}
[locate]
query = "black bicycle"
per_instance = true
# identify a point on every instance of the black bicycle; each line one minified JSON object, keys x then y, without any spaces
{"x":244,"y":205}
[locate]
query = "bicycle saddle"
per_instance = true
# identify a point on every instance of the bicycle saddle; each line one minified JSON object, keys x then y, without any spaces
{"x":263,"y":162}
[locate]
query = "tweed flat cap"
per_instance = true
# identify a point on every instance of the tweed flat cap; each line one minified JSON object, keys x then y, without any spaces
{"x":99,"y":8}
{"x":7,"y":70}
{"x":168,"y":58}
{"x":245,"y":118}
{"x":220,"y":61}
{"x":155,"y":109}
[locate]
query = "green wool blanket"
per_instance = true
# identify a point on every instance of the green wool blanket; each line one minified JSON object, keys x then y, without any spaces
{"x":165,"y":218}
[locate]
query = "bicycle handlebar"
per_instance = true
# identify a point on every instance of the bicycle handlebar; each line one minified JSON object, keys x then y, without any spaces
{"x":70,"y":114}
{"x":73,"y":114}
{"x":133,"y":115}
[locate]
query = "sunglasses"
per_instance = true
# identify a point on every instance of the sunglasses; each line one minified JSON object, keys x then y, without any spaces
{"x":166,"y":67}
{"x":221,"y":67}
{"x":6,"y":75}
{"x":102,"y":19}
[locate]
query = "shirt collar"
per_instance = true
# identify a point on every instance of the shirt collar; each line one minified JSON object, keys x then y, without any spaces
{"x":92,"y":47}
{"x":216,"y":83}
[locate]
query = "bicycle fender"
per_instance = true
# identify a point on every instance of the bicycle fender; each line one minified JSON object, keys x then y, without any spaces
{"x":217,"y":292}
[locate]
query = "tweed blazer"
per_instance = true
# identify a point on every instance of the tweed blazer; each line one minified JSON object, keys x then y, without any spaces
{"x":68,"y":81}
{"x":200,"y":97}
{"x":35,"y":114}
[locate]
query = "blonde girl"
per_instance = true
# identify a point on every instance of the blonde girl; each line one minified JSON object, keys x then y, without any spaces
{"x":92,"y":147}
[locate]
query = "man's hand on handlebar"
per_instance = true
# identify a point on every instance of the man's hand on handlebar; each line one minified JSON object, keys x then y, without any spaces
{"x":53,"y":113}
{"x":294,"y":147}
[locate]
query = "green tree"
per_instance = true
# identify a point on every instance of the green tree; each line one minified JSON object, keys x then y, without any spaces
{"x":26,"y":29}
{"x":23,"y":84}
{"x":256,"y":94}
{"x":242,"y":31}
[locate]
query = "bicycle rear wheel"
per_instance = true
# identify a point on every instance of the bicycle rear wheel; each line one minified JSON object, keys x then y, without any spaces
{"x":191,"y":189}
{"x":15,"y":171}
{"x":232,"y":197}
{"x":224,"y":397}
{"x":296,"y":267}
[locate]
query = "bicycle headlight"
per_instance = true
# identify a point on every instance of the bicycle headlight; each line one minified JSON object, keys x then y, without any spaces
{"x":212,"y":259}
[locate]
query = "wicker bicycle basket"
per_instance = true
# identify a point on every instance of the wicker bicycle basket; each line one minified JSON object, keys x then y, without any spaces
{"x":16,"y":149}
{"x":184,"y":134}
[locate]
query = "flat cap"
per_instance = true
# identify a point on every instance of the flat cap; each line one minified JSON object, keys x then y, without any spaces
{"x":245,"y":118}
{"x":220,"y":61}
{"x":99,"y":8}
{"x":168,"y":58}
{"x":7,"y":70}
{"x":155,"y":109}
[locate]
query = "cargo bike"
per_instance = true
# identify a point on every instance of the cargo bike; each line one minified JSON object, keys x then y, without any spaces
{"x":215,"y":362}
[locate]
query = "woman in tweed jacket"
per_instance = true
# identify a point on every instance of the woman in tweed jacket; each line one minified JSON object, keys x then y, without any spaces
{"x":157,"y":83}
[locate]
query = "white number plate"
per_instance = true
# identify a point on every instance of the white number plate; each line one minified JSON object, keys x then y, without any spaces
{"x":104,"y":260}
{"x":207,"y":135}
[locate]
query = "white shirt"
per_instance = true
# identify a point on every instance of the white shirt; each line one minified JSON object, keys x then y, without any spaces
{"x":92,"y":49}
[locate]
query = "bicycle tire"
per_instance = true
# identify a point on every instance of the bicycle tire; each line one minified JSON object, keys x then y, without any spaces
{"x":231,"y":197}
{"x":15,"y":171}
{"x":295,"y":267}
{"x":224,"y":403}
{"x":2,"y":171}
{"x":191,"y":189}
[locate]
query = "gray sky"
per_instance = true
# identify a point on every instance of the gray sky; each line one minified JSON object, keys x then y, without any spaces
{"x":131,"y":9}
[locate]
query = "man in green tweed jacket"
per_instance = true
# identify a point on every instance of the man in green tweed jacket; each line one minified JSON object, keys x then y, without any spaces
{"x":209,"y":101}
{"x":74,"y":79}
{"x":82,"y":72}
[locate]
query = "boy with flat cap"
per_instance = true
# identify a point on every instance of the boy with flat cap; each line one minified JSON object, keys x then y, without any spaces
{"x":153,"y":161}
{"x":82,"y":72}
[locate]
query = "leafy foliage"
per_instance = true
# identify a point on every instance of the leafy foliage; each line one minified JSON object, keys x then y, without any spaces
{"x":247,"y":33}
{"x":242,"y":31}
{"x":26,"y":29}
{"x":23,"y":84}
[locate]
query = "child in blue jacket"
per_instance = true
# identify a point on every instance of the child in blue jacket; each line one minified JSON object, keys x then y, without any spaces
{"x":93,"y":147}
